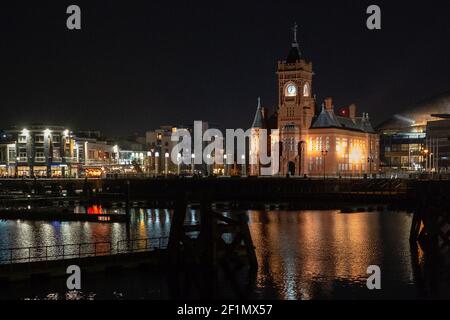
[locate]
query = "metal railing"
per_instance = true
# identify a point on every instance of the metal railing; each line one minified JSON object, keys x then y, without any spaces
{"x":79,"y":250}
{"x":139,"y":245}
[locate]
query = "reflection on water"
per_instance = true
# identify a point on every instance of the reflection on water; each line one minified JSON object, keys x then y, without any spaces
{"x":301,"y":255}
{"x":145,"y":223}
{"x":315,"y":254}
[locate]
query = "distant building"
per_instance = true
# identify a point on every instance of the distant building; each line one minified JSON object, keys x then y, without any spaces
{"x":160,"y":149}
{"x":55,"y":151}
{"x":40,"y":151}
{"x":96,"y":157}
{"x":407,"y":139}
{"x":438,"y":144}
{"x":160,"y":146}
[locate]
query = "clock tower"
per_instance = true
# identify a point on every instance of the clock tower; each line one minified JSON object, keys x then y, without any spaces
{"x":295,"y":109}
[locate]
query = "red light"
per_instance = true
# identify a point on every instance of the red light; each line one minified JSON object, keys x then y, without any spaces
{"x":95,"y":209}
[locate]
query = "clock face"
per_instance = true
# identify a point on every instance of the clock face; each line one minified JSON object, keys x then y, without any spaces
{"x":291,"y":90}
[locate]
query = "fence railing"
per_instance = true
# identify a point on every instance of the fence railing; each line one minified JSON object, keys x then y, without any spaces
{"x":79,"y":250}
{"x":137,"y":245}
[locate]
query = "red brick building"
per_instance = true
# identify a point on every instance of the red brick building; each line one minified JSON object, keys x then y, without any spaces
{"x":316,"y":141}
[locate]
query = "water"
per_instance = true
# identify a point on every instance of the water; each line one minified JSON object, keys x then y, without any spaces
{"x":301,"y":255}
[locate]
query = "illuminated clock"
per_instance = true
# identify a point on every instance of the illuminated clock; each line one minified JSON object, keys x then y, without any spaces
{"x":291,"y":90}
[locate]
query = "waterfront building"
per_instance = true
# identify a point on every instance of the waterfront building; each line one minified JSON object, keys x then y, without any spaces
{"x":316,"y":142}
{"x":55,"y":151}
{"x":415,"y":140}
{"x":7,"y":157}
{"x":160,"y":148}
{"x":437,"y":143}
{"x":40,"y":151}
{"x":132,"y":156}
{"x":96,"y":157}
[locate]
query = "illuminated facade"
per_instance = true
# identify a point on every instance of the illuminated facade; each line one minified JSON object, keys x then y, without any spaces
{"x":417,"y":139}
{"x":316,"y":142}
{"x":41,"y":151}
{"x":160,"y":144}
{"x":55,"y":151}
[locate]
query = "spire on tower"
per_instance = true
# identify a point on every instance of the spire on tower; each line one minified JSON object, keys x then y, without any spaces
{"x":295,"y":30}
{"x":294,"y":54}
{"x":259,"y":117}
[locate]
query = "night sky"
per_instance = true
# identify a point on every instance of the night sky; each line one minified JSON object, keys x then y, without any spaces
{"x":136,"y":65}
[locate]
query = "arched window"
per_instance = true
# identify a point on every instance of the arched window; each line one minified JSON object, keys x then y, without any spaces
{"x":306,"y":90}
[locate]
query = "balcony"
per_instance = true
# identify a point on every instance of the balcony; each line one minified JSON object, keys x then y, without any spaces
{"x":39,"y":159}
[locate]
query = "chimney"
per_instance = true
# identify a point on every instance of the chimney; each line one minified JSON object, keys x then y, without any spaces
{"x":352,"y":111}
{"x":329,"y":104}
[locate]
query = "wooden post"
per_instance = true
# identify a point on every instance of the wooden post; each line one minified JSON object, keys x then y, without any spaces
{"x":247,"y":237}
{"x":208,"y":233}
{"x":128,"y":199}
{"x":177,"y":231}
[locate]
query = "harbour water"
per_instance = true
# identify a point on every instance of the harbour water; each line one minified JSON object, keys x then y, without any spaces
{"x":301,"y":255}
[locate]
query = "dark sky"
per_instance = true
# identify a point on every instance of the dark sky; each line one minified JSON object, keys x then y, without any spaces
{"x":136,"y":65}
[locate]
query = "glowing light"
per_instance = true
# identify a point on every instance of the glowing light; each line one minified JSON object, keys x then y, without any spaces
{"x":355,"y":155}
{"x":95,"y":209}
{"x":405,"y":119}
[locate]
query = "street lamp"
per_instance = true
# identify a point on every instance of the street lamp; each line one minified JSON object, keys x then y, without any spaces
{"x":149,"y":161}
{"x":324,"y":154}
{"x":178,"y":163}
{"x":370,"y":160}
{"x":192,"y":163}
{"x":244,"y":167}
{"x":156,"y":163}
{"x":225,"y":171}
{"x":166,"y":163}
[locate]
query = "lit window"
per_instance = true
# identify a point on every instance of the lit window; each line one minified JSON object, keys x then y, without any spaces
{"x":306,"y":90}
{"x":338,"y":144}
